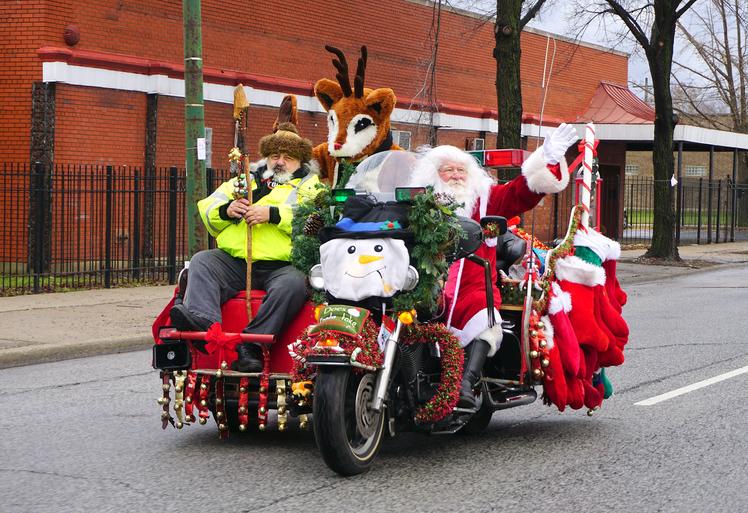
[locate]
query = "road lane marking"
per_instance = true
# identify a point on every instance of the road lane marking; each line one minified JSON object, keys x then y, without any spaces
{"x":690,"y":388}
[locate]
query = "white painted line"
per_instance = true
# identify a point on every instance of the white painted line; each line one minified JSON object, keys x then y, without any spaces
{"x":690,"y":388}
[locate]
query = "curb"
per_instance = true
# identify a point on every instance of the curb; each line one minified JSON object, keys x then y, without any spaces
{"x":45,"y":353}
{"x":677,"y":272}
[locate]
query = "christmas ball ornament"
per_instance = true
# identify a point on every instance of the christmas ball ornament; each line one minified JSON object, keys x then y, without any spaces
{"x":242,"y":427}
{"x":219,"y":414}
{"x":203,"y":421}
{"x":179,"y":425}
{"x":534,"y":354}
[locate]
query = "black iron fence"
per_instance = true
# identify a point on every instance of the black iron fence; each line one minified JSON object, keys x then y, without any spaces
{"x":708,"y":211}
{"x":89,"y":226}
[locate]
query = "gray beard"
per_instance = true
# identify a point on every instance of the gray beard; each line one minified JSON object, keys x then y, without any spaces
{"x":461,"y":194}
{"x":281,"y":176}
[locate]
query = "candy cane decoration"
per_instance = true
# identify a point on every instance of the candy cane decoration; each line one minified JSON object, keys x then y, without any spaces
{"x":589,"y":146}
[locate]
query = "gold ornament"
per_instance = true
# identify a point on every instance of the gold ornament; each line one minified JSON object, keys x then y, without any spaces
{"x":242,"y":390}
{"x":282,"y":426}
{"x":219,"y":414}
{"x":222,"y":427}
{"x":189,"y":400}
{"x":224,"y":365}
{"x":190,"y":418}
{"x":177,"y":407}
{"x":261,"y":427}
{"x":203,"y":386}
{"x":179,"y":425}
{"x":219,"y":400}
{"x":281,"y":410}
{"x":540,"y":325}
{"x":545,"y":362}
{"x":166,"y":387}
{"x":162,"y":400}
{"x":537,"y":373}
{"x":219,"y":373}
{"x":242,"y":427}
{"x":203,"y":403}
{"x":534,"y":354}
{"x":203,"y":421}
{"x":263,"y":389}
{"x":542,"y":344}
{"x":533,"y":333}
{"x":303,"y":424}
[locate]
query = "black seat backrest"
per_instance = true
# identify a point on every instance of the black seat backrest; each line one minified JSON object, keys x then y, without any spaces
{"x":509,"y":249}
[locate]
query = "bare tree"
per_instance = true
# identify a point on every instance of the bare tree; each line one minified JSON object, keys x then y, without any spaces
{"x":511,"y":18}
{"x":710,"y":75}
{"x":653,"y":26}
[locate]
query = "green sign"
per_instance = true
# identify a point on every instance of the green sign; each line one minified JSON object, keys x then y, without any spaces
{"x":479,"y":156}
{"x":341,"y":318}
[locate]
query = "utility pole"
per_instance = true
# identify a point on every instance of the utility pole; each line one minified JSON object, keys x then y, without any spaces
{"x":194,"y":124}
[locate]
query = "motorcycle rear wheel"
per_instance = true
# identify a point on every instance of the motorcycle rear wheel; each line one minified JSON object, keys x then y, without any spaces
{"x":348,"y":433}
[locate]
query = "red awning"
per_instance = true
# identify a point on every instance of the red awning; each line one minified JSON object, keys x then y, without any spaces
{"x":614,"y":103}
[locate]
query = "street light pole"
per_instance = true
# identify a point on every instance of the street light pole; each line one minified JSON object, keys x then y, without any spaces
{"x":194,"y":124}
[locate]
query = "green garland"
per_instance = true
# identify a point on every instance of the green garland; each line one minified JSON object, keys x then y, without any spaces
{"x":437,"y":233}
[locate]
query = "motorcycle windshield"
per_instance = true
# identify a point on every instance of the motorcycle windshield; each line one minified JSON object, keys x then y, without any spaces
{"x":381,"y":173}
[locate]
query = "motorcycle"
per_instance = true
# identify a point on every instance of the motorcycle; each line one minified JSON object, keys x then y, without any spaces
{"x":362,"y":365}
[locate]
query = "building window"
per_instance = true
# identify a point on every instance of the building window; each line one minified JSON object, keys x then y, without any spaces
{"x":695,"y":171}
{"x":632,"y":169}
{"x":401,"y":138}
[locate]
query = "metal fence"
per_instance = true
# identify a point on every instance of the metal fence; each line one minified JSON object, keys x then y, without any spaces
{"x":709,"y":211}
{"x":89,"y":226}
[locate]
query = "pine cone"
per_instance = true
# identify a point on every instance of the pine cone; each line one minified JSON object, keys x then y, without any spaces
{"x":313,"y":224}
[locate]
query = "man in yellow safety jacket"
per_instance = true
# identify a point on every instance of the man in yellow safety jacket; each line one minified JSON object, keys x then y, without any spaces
{"x":286,"y":178}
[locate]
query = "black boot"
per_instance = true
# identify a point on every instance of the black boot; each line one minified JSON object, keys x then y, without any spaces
{"x":250,"y":358}
{"x":475,"y":357}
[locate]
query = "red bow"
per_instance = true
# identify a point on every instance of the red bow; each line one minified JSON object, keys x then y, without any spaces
{"x":217,"y":340}
{"x":580,"y":147}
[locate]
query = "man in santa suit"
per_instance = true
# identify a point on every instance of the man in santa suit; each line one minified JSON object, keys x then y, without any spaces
{"x":453,"y":171}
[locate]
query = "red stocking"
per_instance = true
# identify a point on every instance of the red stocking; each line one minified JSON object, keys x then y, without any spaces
{"x":611,"y":318}
{"x":616,"y":294}
{"x":554,"y":381}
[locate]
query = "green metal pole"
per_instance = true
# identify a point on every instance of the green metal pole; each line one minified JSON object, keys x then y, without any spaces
{"x":194,"y":125}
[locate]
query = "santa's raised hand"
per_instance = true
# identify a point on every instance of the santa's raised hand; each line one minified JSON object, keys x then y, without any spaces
{"x":555,"y":146}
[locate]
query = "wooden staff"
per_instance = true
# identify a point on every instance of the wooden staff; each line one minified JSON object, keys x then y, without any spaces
{"x":241,"y":109}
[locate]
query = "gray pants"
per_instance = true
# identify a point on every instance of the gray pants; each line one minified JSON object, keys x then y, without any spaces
{"x":215,"y":277}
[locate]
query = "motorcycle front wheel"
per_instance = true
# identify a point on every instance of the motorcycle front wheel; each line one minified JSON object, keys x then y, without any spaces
{"x":347,"y":431}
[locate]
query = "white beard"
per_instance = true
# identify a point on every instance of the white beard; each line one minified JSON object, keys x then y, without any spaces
{"x":462,"y":192}
{"x":279,"y":176}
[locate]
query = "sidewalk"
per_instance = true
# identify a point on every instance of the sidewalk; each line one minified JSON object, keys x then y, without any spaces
{"x":50,"y":327}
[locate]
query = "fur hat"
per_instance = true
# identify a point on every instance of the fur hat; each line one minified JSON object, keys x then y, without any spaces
{"x":286,"y":139}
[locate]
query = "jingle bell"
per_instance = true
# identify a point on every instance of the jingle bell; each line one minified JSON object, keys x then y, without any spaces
{"x":203,"y":403}
{"x":261,"y":427}
{"x":534,"y":354}
{"x":219,"y":373}
{"x":166,"y":387}
{"x":203,"y":421}
{"x":545,"y":362}
{"x":179,"y":425}
{"x":222,"y":427}
{"x":242,"y":427}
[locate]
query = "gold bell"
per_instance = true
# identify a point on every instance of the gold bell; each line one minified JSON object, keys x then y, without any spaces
{"x":540,"y":325}
{"x":219,"y":373}
{"x":303,"y":424}
{"x":190,"y":418}
{"x":533,"y":333}
{"x":189,"y":399}
{"x":219,"y":400}
{"x":178,"y":390}
{"x":537,"y":373}
{"x":263,"y":389}
{"x":219,"y":414}
{"x":162,"y":400}
{"x":203,"y":386}
{"x":242,"y":427}
{"x":203,"y":403}
{"x":242,"y":409}
{"x":545,"y":362}
{"x":203,"y":421}
{"x":534,"y":354}
{"x":224,"y":365}
{"x":166,"y":387}
{"x":242,"y":390}
{"x":222,"y":427}
{"x":282,"y":426}
{"x":542,"y":343}
{"x":179,"y":425}
{"x":261,"y":427}
{"x":281,"y":410}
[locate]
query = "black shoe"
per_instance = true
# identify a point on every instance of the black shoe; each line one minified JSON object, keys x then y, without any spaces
{"x":183,"y":320}
{"x":475,"y":357}
{"x":250,"y":358}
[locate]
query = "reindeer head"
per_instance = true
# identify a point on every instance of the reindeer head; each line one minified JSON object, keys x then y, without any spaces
{"x":358,"y":119}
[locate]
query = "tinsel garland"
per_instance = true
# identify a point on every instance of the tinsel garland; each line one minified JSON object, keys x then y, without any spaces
{"x":437,"y":232}
{"x":304,"y":347}
{"x":452,"y":359}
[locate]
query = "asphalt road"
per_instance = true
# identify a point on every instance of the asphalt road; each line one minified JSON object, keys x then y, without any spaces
{"x":84,"y":435}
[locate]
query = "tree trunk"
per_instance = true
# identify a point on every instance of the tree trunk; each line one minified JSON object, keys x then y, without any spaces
{"x":660,"y":57}
{"x":508,"y":91}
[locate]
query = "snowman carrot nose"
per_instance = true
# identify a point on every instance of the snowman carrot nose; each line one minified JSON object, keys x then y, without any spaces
{"x":367,"y":259}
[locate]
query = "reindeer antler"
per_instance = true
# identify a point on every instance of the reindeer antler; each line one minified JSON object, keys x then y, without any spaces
{"x":342,"y":66}
{"x":358,"y":82}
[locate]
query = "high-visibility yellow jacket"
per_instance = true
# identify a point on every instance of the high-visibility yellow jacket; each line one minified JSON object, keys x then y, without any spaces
{"x":269,"y":241}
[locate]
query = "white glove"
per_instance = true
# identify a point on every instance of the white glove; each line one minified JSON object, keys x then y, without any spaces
{"x":555,"y":146}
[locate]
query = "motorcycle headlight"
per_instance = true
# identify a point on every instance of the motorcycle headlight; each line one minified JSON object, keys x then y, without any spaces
{"x":411,"y":279}
{"x":315,"y":277}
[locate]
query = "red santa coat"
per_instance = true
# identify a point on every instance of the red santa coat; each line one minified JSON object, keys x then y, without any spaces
{"x":465,"y":293}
